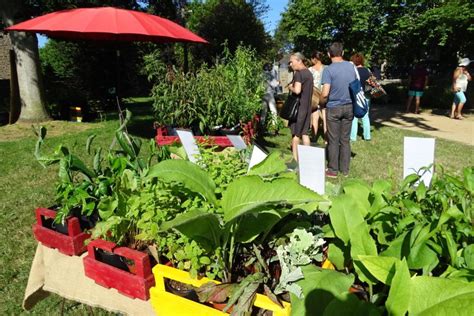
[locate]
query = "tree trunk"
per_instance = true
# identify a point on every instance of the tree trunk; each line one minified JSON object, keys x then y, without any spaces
{"x":25,"y":46}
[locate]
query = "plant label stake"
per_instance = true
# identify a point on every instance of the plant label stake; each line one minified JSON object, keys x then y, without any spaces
{"x":237,"y":141}
{"x":258,"y":155}
{"x":311,"y":161}
{"x":189,"y":143}
{"x":418,"y":153}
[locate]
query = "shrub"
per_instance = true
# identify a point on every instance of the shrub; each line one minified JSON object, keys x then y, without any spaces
{"x":224,"y":95}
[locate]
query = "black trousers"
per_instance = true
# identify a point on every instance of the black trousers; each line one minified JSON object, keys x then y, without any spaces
{"x":339,"y":121}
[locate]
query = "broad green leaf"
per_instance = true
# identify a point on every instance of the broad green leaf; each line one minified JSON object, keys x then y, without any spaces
{"x":272,"y":165}
{"x":382,"y":268}
{"x":336,"y":255}
{"x":351,"y":228}
{"x":438,"y":296}
{"x":249,"y":193}
{"x":320,"y":287}
{"x":350,"y":304}
{"x":468,"y":254}
{"x":200,"y":226}
{"x":469,"y":179}
{"x":359,"y":191}
{"x":252,"y":225}
{"x":399,"y":296}
{"x":186,"y":173}
{"x":107,"y":207}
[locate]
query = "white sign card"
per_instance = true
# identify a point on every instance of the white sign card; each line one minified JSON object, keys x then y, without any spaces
{"x":257,"y":156}
{"x":237,"y":141}
{"x":311,"y":165}
{"x":189,"y":144}
{"x":418,"y":153}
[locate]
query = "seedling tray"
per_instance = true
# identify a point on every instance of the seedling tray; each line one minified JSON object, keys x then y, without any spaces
{"x":70,"y":243}
{"x":167,"y":303}
{"x":134,"y":283}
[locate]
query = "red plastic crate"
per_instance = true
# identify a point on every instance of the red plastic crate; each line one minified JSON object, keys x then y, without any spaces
{"x":162,"y":138}
{"x":134,"y":284}
{"x":71,"y":244}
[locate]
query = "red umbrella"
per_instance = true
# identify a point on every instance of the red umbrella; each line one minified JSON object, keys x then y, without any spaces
{"x":107,"y":23}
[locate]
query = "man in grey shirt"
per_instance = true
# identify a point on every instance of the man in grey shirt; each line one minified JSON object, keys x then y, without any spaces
{"x":336,"y":79}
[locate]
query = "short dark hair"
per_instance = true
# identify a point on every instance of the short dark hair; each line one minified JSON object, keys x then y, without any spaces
{"x":358,"y":59}
{"x":335,"y":49}
{"x":317,"y":55}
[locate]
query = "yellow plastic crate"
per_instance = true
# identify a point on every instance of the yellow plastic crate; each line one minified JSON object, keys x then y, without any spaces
{"x":169,"y":304}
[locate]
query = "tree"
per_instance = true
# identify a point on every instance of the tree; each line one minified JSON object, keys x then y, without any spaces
{"x":231,"y":21}
{"x":399,"y":30}
{"x":25,"y":46}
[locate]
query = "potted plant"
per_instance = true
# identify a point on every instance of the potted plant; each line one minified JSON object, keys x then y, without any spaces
{"x":237,"y":224}
{"x":214,"y":101}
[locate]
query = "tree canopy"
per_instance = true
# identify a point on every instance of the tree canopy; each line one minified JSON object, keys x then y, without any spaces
{"x":399,"y":30}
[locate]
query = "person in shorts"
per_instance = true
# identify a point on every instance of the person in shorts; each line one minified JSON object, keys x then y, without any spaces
{"x":417,"y":82}
{"x":461,"y":77}
{"x":302,"y":85}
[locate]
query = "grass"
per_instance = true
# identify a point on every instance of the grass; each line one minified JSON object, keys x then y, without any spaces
{"x":24,"y":185}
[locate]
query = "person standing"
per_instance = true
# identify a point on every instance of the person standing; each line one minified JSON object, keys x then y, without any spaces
{"x":364,"y":74}
{"x":461,"y":77}
{"x":339,"y":113}
{"x":269,"y":97}
{"x":320,"y":112}
{"x":302,"y":85}
{"x":417,"y":82}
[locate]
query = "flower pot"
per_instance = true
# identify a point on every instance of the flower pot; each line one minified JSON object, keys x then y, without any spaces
{"x":121,"y":268}
{"x":68,"y":238}
{"x":167,"y":303}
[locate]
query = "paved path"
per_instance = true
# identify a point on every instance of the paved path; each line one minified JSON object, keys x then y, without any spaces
{"x":432,"y":122}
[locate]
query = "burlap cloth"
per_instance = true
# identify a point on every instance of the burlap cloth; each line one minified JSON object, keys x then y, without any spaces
{"x":51,"y":271}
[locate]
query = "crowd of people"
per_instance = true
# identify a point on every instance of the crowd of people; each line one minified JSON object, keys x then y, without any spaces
{"x":324,"y":96}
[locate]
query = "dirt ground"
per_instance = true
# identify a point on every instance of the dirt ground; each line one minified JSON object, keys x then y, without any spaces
{"x":431,"y":122}
{"x":55,"y":128}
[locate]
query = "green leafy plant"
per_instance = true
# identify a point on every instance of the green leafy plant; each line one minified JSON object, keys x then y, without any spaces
{"x":224,"y":95}
{"x":302,"y":248}
{"x":240,"y":220}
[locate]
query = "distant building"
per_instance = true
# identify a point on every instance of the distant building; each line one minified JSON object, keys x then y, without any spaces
{"x":7,"y":85}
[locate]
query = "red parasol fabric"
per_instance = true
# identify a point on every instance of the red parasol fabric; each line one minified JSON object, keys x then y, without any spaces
{"x":108,"y":23}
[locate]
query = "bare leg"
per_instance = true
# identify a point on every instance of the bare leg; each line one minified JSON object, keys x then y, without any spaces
{"x":294,"y":146}
{"x":306,"y":140}
{"x":315,"y":122}
{"x":410,"y":98}
{"x":417,"y":104}
{"x":459,"y":115}
{"x":453,"y":110}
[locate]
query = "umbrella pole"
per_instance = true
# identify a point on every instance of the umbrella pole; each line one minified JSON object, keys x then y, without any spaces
{"x":117,"y":80}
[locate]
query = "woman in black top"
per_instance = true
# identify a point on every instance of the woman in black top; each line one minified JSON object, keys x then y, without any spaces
{"x":302,"y":85}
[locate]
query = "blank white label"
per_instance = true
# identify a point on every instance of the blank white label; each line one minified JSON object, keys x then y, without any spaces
{"x":258,"y":155}
{"x":418,"y":153}
{"x":237,"y":142}
{"x":311,"y":165}
{"x":189,"y":144}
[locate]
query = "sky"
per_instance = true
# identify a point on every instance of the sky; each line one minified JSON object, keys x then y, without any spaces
{"x":270,"y":20}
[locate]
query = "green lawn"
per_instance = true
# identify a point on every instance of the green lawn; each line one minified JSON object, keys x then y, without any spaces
{"x":24,"y":185}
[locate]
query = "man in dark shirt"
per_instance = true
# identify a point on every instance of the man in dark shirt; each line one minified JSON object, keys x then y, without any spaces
{"x":336,"y":79}
{"x":302,"y":85}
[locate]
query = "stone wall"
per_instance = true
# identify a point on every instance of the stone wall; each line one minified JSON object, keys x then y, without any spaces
{"x":4,"y":57}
